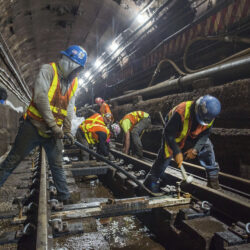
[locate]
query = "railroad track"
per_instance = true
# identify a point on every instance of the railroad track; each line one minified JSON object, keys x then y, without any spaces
{"x":175,"y":221}
{"x":229,"y":182}
{"x":229,"y":203}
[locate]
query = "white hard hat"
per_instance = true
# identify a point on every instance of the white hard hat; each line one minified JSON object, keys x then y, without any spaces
{"x":115,"y":129}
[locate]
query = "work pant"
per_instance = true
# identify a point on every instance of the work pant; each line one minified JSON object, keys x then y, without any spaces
{"x":135,"y":135}
{"x":84,"y":156}
{"x":205,"y":157}
{"x":27,"y":139}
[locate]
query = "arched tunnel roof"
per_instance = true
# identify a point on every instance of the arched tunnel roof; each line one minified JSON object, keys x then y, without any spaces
{"x":36,"y":31}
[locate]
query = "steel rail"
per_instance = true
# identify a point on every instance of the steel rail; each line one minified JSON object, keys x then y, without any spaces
{"x":233,"y":207}
{"x":42,"y":221}
{"x":133,"y":178}
{"x":235,"y":191}
{"x":228,"y":180}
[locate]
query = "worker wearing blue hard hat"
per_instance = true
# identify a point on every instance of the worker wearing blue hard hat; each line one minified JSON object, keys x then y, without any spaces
{"x":48,"y":116}
{"x":187,"y":130}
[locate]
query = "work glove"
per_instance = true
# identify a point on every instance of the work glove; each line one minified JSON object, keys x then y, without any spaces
{"x":179,"y":159}
{"x":70,"y":138}
{"x":191,"y":154}
{"x":57,"y":132}
{"x":67,"y":131}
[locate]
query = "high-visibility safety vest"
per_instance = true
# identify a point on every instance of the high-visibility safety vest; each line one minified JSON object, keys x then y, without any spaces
{"x":134,"y":117}
{"x":58,"y":102}
{"x":183,"y":109}
{"x":104,"y":109}
{"x":95,"y":118}
{"x":90,"y":129}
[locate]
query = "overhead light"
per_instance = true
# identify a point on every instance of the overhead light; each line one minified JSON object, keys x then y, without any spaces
{"x":91,"y":77}
{"x":141,"y":18}
{"x":80,"y":81}
{"x":113,"y":46}
{"x":98,"y":63}
{"x":87,"y":74}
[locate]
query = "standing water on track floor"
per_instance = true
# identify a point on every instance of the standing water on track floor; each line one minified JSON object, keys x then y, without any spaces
{"x":121,"y":232}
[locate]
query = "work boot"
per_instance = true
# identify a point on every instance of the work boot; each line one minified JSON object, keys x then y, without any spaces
{"x":73,"y":198}
{"x":213,"y":182}
{"x":152,"y":183}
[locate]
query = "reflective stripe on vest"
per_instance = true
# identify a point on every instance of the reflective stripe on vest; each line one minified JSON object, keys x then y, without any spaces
{"x":134,"y":117}
{"x":95,"y":118}
{"x":58,"y":111}
{"x":185,"y":128}
{"x":89,"y":135}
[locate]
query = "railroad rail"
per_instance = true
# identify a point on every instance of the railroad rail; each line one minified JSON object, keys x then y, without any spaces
{"x":228,"y":181}
{"x":225,"y":202}
{"x":180,"y":211}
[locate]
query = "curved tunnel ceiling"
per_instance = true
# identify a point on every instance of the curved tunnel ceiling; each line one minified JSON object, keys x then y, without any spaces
{"x":36,"y":31}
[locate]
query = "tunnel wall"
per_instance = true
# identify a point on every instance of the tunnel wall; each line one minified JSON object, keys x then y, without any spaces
{"x":8,"y":127}
{"x":231,"y":133}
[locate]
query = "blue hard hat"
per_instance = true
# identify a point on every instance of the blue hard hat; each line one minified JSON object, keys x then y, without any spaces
{"x":206,"y":109}
{"x":77,"y":54}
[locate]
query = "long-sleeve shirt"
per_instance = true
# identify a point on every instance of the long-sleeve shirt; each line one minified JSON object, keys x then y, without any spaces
{"x":102,"y":145}
{"x":173,"y":128}
{"x":40,"y":97}
{"x":105,"y":109}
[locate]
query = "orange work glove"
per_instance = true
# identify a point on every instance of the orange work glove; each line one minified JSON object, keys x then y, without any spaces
{"x":179,"y":159}
{"x":191,"y":154}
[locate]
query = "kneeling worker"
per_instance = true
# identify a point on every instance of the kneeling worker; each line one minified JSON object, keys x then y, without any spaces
{"x":188,"y":126}
{"x":134,"y":123}
{"x":93,"y":131}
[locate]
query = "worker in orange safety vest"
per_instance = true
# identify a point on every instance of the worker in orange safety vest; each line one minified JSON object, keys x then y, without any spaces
{"x":104,"y":109}
{"x":187,"y":130}
{"x":48,"y":117}
{"x":93,"y":131}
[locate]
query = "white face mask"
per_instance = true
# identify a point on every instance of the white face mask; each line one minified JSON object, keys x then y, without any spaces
{"x":67,"y":66}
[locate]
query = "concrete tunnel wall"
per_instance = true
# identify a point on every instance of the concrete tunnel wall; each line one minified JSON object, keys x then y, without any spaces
{"x":9,"y":121}
{"x":8,"y":127}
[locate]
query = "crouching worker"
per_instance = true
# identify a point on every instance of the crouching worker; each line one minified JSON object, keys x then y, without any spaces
{"x":187,"y":130}
{"x":134,"y":123}
{"x":48,"y":117}
{"x":93,"y":131}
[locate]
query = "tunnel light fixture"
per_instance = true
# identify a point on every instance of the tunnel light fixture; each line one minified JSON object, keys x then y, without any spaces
{"x":87,"y":74}
{"x":90,"y":77}
{"x":80,"y":81}
{"x":141,"y":18}
{"x":113,"y":46}
{"x":98,"y":63}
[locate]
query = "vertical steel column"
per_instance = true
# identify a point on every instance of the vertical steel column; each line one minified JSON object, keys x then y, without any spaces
{"x":42,"y":221}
